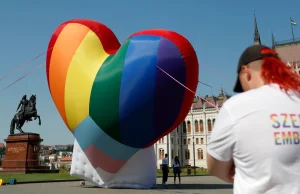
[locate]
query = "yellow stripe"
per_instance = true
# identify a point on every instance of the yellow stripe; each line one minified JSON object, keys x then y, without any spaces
{"x":83,"y":69}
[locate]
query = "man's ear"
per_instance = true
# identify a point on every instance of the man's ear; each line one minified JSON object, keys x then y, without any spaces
{"x":246,"y":70}
{"x":248,"y":74}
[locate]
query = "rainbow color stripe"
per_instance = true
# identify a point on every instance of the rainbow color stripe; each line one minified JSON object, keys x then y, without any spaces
{"x":113,"y":97}
{"x":285,"y":120}
{"x":287,"y":138}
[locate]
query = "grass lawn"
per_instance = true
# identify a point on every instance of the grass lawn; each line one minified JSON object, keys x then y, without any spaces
{"x":67,"y":176}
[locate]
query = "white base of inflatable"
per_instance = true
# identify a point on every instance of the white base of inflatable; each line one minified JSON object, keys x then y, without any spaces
{"x":139,"y":172}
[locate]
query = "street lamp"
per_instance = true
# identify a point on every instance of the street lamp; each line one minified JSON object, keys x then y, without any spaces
{"x":193,"y":128}
{"x":168,"y":147}
{"x":194,"y":156}
{"x":1,"y":156}
{"x":181,"y":141}
{"x":156,"y":153}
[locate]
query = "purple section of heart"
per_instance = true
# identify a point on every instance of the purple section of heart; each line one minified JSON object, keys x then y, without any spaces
{"x":167,"y":106}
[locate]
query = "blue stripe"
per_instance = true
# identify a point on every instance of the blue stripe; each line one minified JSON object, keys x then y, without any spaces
{"x":88,"y":133}
{"x":136,"y":102}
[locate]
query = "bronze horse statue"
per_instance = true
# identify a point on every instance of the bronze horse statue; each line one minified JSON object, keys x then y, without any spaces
{"x":27,"y":112}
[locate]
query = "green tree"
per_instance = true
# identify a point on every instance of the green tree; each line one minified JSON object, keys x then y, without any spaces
{"x":69,"y":149}
{"x":2,"y":150}
{"x":2,"y":153}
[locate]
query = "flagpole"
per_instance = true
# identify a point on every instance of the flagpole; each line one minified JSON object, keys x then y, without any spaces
{"x":292,"y":29}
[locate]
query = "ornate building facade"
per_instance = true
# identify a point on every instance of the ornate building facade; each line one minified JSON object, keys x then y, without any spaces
{"x":189,"y":140}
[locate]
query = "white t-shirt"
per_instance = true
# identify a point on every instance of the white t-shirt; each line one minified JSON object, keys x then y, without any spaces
{"x":260,"y":131}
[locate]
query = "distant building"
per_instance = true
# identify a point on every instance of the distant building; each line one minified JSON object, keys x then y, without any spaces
{"x":65,"y":162}
{"x":60,"y":147}
{"x":189,"y":140}
{"x":288,"y":50}
{"x":52,"y":157}
{"x":46,"y":157}
{"x":65,"y":153}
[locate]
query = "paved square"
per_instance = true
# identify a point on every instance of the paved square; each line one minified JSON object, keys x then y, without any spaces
{"x":193,"y":185}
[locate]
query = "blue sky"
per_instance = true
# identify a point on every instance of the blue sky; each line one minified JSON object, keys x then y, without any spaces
{"x":218,"y":30}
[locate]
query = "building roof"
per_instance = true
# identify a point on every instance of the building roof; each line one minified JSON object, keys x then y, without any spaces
{"x":66,"y":159}
{"x":256,"y":33}
{"x":215,"y":100}
{"x":288,"y":50}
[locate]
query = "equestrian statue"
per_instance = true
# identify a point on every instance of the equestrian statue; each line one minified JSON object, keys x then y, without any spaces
{"x":27,"y":111}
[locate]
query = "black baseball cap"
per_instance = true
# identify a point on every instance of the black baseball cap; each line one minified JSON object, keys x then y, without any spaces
{"x":250,"y":54}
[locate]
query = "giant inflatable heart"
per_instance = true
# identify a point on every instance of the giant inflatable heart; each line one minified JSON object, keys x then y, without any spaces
{"x":117,"y":99}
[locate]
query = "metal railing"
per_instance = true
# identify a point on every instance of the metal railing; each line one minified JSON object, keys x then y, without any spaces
{"x":290,"y":41}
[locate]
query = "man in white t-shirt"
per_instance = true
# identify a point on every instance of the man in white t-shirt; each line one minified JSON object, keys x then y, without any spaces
{"x":165,"y":169}
{"x":255,"y":142}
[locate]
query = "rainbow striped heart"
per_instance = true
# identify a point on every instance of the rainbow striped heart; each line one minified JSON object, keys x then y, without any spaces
{"x":117,"y":99}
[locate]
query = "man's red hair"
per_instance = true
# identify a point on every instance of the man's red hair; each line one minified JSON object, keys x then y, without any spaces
{"x":273,"y":70}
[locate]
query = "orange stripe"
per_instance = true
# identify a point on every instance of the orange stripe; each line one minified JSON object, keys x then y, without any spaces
{"x":64,"y":49}
{"x":99,"y":159}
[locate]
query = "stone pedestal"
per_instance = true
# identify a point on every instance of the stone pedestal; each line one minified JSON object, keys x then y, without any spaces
{"x":22,"y":154}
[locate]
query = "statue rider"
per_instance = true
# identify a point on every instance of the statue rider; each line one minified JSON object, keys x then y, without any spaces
{"x":22,"y":105}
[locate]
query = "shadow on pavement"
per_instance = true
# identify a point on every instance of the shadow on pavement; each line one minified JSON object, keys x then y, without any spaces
{"x":194,"y":186}
{"x":182,"y":186}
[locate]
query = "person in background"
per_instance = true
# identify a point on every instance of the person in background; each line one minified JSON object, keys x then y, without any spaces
{"x":176,"y":169}
{"x":255,"y":142}
{"x":165,"y":169}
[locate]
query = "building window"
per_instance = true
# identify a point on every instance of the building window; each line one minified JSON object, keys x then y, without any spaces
{"x":209,"y":125}
{"x":200,"y":154}
{"x":172,"y":154}
{"x":213,"y":122}
{"x":201,"y":127}
{"x":187,"y":154}
{"x":197,"y":140}
{"x":189,"y":141}
{"x":161,"y":154}
{"x":196,"y":127}
{"x":178,"y":141}
{"x":189,"y":127}
{"x":184,"y":127}
{"x":162,"y":140}
{"x":184,"y":141}
{"x":172,"y":140}
{"x":159,"y":141}
{"x":202,"y":140}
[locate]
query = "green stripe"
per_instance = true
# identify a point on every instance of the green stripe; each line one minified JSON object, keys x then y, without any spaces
{"x":104,"y":102}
